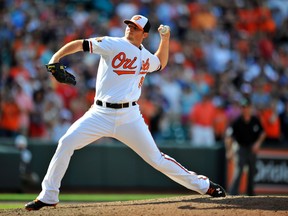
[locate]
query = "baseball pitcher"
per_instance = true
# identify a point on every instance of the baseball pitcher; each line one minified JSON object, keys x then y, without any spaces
{"x":115,"y":113}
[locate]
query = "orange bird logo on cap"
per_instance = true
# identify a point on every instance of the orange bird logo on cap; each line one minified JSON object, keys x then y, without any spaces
{"x":137,"y":18}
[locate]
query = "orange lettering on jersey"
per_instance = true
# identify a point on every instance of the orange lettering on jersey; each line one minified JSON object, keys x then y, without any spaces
{"x":121,"y":72}
{"x":145,"y":66}
{"x":141,"y":82}
{"x":121,"y":60}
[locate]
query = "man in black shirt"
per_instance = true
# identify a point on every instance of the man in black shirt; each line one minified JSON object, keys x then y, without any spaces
{"x":248,"y":133}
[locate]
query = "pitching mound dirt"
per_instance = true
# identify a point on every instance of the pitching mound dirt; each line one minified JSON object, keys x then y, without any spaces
{"x":184,"y":205}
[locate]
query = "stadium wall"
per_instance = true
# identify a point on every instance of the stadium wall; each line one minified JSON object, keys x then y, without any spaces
{"x":117,"y":166}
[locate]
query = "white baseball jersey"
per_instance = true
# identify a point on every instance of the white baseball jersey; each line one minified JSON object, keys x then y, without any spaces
{"x":122,"y":68}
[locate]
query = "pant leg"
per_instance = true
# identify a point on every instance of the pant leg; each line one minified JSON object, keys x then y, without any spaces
{"x":251,"y":174}
{"x":137,"y":136}
{"x":240,"y":162}
{"x":84,"y":131}
{"x":209,"y":137}
{"x":197,"y":135}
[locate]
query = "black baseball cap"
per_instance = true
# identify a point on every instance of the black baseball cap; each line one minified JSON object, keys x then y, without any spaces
{"x":140,"y":21}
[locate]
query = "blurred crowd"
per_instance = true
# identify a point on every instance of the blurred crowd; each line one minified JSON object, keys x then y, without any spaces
{"x":220,"y":51}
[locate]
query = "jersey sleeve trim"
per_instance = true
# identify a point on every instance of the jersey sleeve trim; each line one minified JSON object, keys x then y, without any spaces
{"x":91,"y":47}
{"x":159,"y":68}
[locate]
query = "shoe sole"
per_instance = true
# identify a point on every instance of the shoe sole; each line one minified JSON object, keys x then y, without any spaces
{"x":33,"y":209}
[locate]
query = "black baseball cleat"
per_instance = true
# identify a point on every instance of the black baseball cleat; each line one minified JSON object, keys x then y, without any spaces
{"x":216,"y":190}
{"x":37,"y":204}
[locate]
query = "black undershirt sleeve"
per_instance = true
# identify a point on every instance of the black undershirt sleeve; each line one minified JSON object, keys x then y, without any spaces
{"x":85,"y":46}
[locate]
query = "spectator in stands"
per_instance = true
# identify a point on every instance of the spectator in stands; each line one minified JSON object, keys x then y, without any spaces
{"x":202,"y":117}
{"x":172,"y":91}
{"x":221,"y":120}
{"x":265,"y":47}
{"x":25,"y":103}
{"x":270,"y":121}
{"x":260,"y":68}
{"x":148,"y":108}
{"x":10,"y":116}
{"x":67,"y":94}
{"x":159,"y":101}
{"x":260,"y":96}
{"x":78,"y":106}
{"x":37,"y":128}
{"x":62,"y":125}
{"x":233,"y":109}
{"x":248,"y":133}
{"x":19,"y":70}
{"x":50,"y":115}
{"x":203,"y":19}
{"x":255,"y":17}
{"x":189,"y":98}
{"x":278,"y":10}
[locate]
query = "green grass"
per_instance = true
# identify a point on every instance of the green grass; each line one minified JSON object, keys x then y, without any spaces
{"x":10,"y":201}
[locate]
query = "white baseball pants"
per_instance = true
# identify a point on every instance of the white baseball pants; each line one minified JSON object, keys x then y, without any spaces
{"x":126,"y":125}
{"x":202,"y":136}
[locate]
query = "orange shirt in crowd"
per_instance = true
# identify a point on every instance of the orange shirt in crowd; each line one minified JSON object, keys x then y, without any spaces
{"x":10,"y":116}
{"x":252,"y":20}
{"x":147,"y":108}
{"x":265,"y":20}
{"x":205,"y":77}
{"x":203,"y":113}
{"x":271,"y":123}
{"x":67,"y":93}
{"x":18,"y":71}
{"x":220,"y":122}
{"x":203,"y":20}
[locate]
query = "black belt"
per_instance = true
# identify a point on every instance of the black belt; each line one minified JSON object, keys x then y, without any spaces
{"x":115,"y":105}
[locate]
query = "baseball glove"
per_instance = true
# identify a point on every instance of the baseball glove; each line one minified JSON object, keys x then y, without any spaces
{"x":60,"y":74}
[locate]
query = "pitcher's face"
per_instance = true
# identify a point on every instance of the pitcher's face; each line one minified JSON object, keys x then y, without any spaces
{"x":134,"y":34}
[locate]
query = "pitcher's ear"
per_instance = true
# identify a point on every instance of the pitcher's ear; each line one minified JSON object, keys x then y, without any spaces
{"x":146,"y":34}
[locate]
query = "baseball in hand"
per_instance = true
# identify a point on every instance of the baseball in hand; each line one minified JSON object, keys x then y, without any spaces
{"x":164,"y":29}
